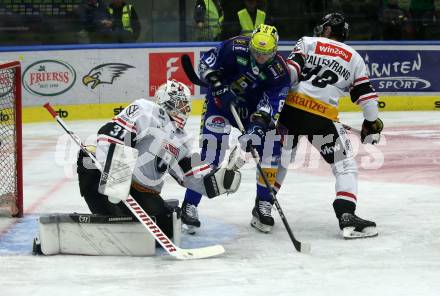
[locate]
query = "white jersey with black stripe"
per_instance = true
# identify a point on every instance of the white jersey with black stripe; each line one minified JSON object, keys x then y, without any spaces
{"x":161,"y":145}
{"x":325,"y":69}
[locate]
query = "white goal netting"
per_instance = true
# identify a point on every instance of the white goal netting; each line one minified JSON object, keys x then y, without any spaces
{"x":10,"y":139}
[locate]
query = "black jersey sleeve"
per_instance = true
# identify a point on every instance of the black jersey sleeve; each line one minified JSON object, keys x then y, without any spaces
{"x":113,"y":132}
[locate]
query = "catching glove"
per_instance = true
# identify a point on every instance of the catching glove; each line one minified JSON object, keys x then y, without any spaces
{"x":370,"y":133}
{"x":221,"y":180}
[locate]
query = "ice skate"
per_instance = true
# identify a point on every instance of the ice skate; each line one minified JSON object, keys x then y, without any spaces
{"x":354,"y":227}
{"x":190,"y":218}
{"x":36,"y":246}
{"x":261,"y":216}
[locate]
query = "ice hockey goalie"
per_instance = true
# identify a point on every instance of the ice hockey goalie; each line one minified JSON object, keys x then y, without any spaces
{"x":137,"y":148}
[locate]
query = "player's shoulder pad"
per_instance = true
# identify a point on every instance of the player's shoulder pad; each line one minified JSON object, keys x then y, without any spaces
{"x":151,"y":113}
{"x":300,"y":44}
{"x":356,"y":55}
{"x":147,"y":106}
{"x":131,"y":113}
{"x":240,"y":44}
{"x":158,"y":116}
{"x":277,"y":69}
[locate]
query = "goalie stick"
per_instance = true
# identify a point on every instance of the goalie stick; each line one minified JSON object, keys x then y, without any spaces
{"x":192,"y":76}
{"x":141,"y":215}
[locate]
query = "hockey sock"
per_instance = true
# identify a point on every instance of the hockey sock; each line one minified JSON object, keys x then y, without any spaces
{"x":192,"y":197}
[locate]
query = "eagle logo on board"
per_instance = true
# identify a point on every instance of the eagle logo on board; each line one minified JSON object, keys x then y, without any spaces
{"x":105,"y":74}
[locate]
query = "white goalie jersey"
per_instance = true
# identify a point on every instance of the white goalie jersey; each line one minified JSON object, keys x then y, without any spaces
{"x":162,"y":148}
{"x":322,"y":70}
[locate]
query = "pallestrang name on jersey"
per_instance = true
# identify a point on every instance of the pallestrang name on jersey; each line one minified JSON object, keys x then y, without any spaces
{"x":333,"y":65}
{"x":326,"y":69}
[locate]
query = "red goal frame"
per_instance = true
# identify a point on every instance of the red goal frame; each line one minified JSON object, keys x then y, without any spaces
{"x":18,"y":132}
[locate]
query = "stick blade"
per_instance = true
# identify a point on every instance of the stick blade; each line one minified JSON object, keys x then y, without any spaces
{"x":305,"y":248}
{"x":189,"y":71}
{"x":199,"y":253}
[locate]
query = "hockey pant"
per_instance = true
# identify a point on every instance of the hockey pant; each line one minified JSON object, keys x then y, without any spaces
{"x":331,"y":140}
{"x":214,"y":141}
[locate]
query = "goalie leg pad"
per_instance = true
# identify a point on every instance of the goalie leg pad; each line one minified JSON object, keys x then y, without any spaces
{"x":221,"y":180}
{"x":88,"y":234}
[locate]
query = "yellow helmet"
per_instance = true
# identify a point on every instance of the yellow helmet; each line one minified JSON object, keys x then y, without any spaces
{"x":264,"y":42}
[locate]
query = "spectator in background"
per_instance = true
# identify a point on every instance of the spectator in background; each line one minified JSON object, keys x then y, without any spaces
{"x":365,"y":19}
{"x":94,"y":22}
{"x":393,"y":20}
{"x":423,"y":17}
{"x":124,"y":21}
{"x":208,"y":15}
{"x":245,"y":20}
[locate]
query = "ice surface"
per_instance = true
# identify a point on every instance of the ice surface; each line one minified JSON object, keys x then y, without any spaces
{"x":403,"y":197}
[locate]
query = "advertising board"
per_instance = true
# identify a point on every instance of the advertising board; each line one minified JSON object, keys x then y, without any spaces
{"x":87,"y":82}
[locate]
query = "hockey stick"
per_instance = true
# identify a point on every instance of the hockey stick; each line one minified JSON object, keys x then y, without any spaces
{"x":141,"y":215}
{"x":189,"y":71}
{"x":299,"y":246}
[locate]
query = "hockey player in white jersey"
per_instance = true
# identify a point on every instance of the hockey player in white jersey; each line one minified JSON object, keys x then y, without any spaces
{"x":156,"y":131}
{"x":322,"y":68}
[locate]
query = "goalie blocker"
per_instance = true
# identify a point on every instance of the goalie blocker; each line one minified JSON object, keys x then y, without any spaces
{"x":91,"y":234}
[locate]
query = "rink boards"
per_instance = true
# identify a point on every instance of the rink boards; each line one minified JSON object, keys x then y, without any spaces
{"x":98,"y":81}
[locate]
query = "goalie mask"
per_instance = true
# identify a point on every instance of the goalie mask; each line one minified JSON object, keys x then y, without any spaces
{"x":338,"y":24}
{"x":175,"y":98}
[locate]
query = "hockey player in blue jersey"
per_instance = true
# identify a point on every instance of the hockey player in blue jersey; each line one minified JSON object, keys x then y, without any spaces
{"x":246,"y":72}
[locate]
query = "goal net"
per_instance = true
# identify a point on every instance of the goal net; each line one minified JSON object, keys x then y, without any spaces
{"x":11,"y":176}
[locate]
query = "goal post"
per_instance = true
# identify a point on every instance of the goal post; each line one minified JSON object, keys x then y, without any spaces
{"x":11,"y":161}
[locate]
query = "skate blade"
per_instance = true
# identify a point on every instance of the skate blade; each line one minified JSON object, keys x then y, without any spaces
{"x":350,"y":233}
{"x":261,"y":227}
{"x":189,"y":229}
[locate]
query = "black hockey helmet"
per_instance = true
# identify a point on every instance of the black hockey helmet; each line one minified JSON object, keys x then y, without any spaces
{"x":338,"y":24}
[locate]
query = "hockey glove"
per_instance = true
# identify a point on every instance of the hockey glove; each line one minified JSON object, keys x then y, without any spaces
{"x":256,"y":131}
{"x":221,"y":93}
{"x":221,"y":180}
{"x":370,"y":133}
{"x":223,"y":96}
